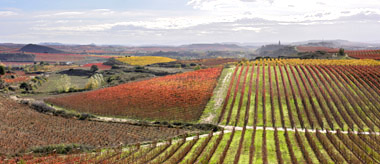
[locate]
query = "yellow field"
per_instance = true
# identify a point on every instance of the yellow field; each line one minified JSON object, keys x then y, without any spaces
{"x":145,"y":60}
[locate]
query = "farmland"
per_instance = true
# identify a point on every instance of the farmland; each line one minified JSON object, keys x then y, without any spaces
{"x":364,"y":54}
{"x":145,"y":60}
{"x":271,"y":111}
{"x":209,"y":62}
{"x":99,"y":65}
{"x":356,"y":54}
{"x":58,"y":57}
{"x":313,"y":49}
{"x":22,"y":128}
{"x":174,"y":97}
{"x":304,"y":96}
{"x":247,"y":146}
{"x":189,"y":82}
{"x":16,"y":77}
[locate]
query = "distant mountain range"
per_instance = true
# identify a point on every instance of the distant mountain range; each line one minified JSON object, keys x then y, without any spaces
{"x":54,"y":47}
{"x":338,"y":44}
{"x":39,"y":49}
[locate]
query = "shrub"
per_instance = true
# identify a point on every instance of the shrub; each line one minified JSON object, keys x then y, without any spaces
{"x":341,"y":52}
{"x":95,"y":82}
{"x":94,"y":68}
{"x":85,"y":116}
{"x":63,"y":84}
{"x":61,"y":149}
{"x":177,"y":65}
{"x":2,"y":70}
{"x":26,"y":86}
{"x":42,"y":107}
{"x":197,"y":67}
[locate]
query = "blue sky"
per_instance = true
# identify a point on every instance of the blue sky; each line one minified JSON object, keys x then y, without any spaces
{"x":175,"y":22}
{"x":40,"y":5}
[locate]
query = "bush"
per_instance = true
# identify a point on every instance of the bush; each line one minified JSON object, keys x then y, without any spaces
{"x":26,"y":86}
{"x":341,"y":52}
{"x":2,"y":70}
{"x":85,"y":116}
{"x":42,"y":107}
{"x":94,"y":68}
{"x":207,"y":127}
{"x":178,"y":65}
{"x":64,"y":84}
{"x":61,"y":149}
{"x":95,"y":82}
{"x":139,"y":67}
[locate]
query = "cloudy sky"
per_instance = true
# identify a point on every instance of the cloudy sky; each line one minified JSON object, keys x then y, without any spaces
{"x":174,"y":22}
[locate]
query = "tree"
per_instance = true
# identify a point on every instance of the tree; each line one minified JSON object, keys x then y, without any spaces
{"x":341,"y":52}
{"x":2,"y":70}
{"x":94,"y":68}
{"x":63,"y":84}
{"x":197,"y":67}
{"x":9,"y":68}
{"x":95,"y":82}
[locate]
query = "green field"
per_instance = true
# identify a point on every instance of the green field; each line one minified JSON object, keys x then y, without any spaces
{"x":341,"y":104}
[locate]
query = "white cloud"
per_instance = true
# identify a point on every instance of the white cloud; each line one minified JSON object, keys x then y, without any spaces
{"x":211,"y":20}
{"x":247,"y":29}
{"x":301,"y":12}
{"x":287,"y":10}
{"x":7,"y":13}
{"x":72,"y":13}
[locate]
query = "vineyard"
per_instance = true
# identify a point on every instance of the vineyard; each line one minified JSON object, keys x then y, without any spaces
{"x":364,"y":54}
{"x":246,"y":146}
{"x":25,"y":128}
{"x":272,"y":111}
{"x":58,"y":57}
{"x":356,"y":54}
{"x":145,"y":60}
{"x":303,"y":96}
{"x":175,"y":97}
{"x":209,"y":62}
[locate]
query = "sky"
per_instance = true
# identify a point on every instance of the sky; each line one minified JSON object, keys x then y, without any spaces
{"x":176,"y":22}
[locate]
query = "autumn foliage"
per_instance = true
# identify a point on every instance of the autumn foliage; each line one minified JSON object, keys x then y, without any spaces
{"x":100,"y":66}
{"x":178,"y":97}
{"x":364,"y":54}
{"x":16,"y":77}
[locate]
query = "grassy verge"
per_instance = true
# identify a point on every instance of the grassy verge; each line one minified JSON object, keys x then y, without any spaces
{"x":213,"y":107}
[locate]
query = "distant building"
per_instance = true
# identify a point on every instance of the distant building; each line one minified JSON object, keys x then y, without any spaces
{"x":65,"y":63}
